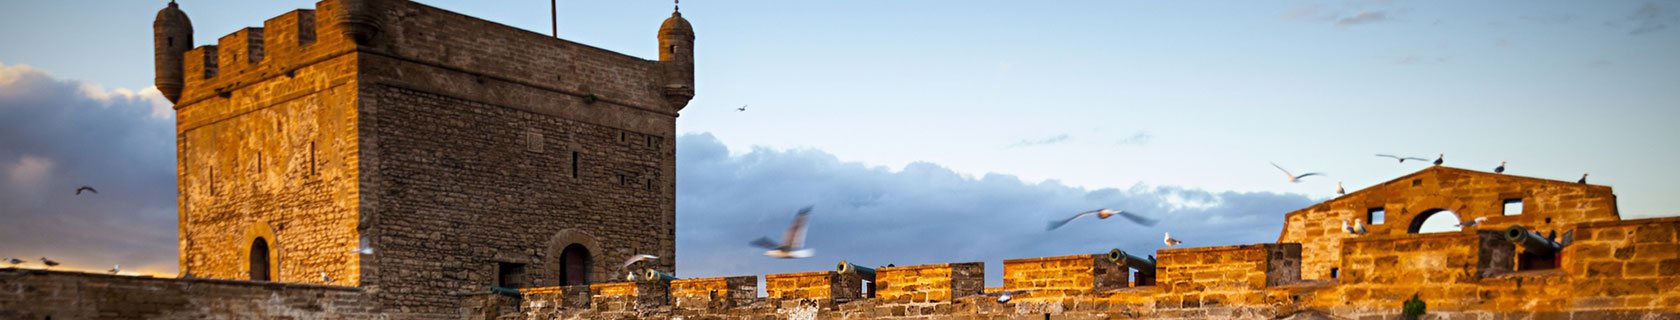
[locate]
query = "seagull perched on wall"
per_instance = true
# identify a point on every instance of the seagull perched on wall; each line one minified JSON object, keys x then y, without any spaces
{"x":86,"y":189}
{"x":114,"y":269}
{"x":1402,"y":159}
{"x":325,"y":278}
{"x":637,"y":258}
{"x":1295,"y":178}
{"x":48,"y":263}
{"x":790,"y":247}
{"x":1472,"y":222}
{"x":1583,"y":179}
{"x":1104,"y":213}
{"x":14,"y":261}
{"x":1358,"y":226}
{"x":1004,"y":296}
{"x":1339,"y":189}
{"x":1168,"y":239}
{"x":1355,"y":228}
{"x":1440,"y":159}
{"x":1501,"y":168}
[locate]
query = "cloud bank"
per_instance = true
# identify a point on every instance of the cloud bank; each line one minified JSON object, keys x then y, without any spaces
{"x":57,"y":135}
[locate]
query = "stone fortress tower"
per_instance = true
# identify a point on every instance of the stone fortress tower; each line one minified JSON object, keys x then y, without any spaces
{"x":463,"y":154}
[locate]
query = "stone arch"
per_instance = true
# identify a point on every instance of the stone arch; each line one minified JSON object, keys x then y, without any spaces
{"x":550,"y":270}
{"x":1416,"y":209}
{"x":255,"y":232}
{"x":1417,"y":222}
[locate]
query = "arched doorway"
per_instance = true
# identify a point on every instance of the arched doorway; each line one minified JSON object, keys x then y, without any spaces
{"x":259,"y":259}
{"x":1434,"y":221}
{"x":574,"y":265}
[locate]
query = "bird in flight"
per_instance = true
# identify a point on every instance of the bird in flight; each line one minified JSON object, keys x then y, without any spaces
{"x":1168,"y":239}
{"x":1472,"y":222}
{"x":1402,"y":159}
{"x":1583,"y":179}
{"x":1104,"y":213}
{"x":790,"y":248}
{"x":1295,"y":178}
{"x":1501,"y":168}
{"x":1568,"y":237}
{"x":48,"y":263}
{"x":637,"y":258}
{"x":86,"y":189}
{"x":1004,"y":296}
{"x":14,"y":261}
{"x":742,"y":108}
{"x":1440,"y":159}
{"x":114,"y":269}
{"x":1339,"y":189}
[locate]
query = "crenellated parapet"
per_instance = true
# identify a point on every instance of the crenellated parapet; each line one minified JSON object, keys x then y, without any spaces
{"x":285,"y":45}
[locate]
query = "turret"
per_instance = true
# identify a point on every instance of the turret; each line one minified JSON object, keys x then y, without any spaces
{"x":171,"y":37}
{"x":676,"y":54}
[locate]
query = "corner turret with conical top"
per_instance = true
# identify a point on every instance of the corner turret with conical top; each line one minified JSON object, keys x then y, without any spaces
{"x":676,"y":54}
{"x":171,"y":37}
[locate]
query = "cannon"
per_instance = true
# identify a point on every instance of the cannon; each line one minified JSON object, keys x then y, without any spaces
{"x":655,"y":276}
{"x":1144,"y":265}
{"x":1531,"y":242}
{"x":847,"y":267}
{"x":511,"y":292}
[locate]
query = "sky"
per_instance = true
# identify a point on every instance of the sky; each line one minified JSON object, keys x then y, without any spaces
{"x":961,"y":119}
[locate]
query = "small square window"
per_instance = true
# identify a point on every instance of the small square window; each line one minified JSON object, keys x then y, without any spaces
{"x":1513,"y":207}
{"x":510,"y":275}
{"x":1375,"y":215}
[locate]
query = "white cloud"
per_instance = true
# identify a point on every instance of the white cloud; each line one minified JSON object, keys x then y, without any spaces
{"x":29,"y":170}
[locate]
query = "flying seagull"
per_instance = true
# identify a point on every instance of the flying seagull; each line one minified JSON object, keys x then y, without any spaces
{"x":790,"y":248}
{"x":1472,"y":222}
{"x":1168,"y":239}
{"x":637,"y":258}
{"x":1441,"y":159}
{"x":1402,"y":159}
{"x":1104,"y":213}
{"x":1339,"y":189}
{"x":14,"y":261}
{"x":742,"y":108}
{"x":48,"y":263}
{"x":86,"y":188}
{"x":1583,"y":179}
{"x":1501,"y":168}
{"x":1568,"y":237}
{"x":1004,"y":296}
{"x":1295,"y":178}
{"x":114,"y":269}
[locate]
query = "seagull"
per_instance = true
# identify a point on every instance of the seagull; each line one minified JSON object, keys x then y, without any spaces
{"x":1339,"y":189}
{"x":1347,"y":227}
{"x":1004,"y":296}
{"x":1294,"y":178}
{"x":1104,"y":213}
{"x":49,"y":263}
{"x":790,"y":246}
{"x":1402,"y":159}
{"x":1568,"y":237}
{"x":14,"y":261}
{"x":1501,"y":168}
{"x":114,"y":269}
{"x":742,"y":108}
{"x":325,"y":278}
{"x":1441,"y":159}
{"x":1358,"y":226}
{"x":1168,"y":239}
{"x":1583,"y":179}
{"x":86,"y":188}
{"x":637,"y":258}
{"x":1472,"y":223}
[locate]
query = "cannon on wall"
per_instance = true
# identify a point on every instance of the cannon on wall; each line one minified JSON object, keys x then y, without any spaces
{"x":1145,"y":267}
{"x":1535,"y":252}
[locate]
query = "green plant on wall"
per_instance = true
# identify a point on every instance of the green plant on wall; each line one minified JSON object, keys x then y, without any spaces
{"x":1413,"y":308}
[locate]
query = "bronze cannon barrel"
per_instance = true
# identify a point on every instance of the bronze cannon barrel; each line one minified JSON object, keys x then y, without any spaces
{"x":1530,"y":241}
{"x":1131,"y":261}
{"x":848,"y":267}
{"x":656,"y":276}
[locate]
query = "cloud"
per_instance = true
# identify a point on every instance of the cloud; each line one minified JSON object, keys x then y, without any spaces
{"x":1650,"y":18}
{"x":56,"y":135}
{"x":1040,"y":141}
{"x":1417,"y":60}
{"x":1136,"y":139}
{"x":1364,"y":17}
{"x":926,"y":213}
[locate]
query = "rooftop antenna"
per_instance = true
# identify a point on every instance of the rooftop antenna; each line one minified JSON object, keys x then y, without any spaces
{"x":554,"y":17}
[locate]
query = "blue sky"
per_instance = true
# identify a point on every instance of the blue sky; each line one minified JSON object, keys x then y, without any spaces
{"x":1131,"y":96}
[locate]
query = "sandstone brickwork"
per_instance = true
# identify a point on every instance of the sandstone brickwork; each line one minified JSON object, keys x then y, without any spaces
{"x":38,"y":294}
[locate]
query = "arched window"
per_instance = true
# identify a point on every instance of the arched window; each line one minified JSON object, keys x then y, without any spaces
{"x":574,"y":265}
{"x":1435,"y":220}
{"x":259,"y":260}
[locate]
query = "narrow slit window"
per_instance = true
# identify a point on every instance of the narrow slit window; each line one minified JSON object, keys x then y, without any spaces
{"x":1375,"y":215}
{"x":574,"y":164}
{"x":1513,"y":207}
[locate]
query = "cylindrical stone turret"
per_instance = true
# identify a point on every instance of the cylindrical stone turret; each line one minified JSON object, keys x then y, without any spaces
{"x":171,"y":37}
